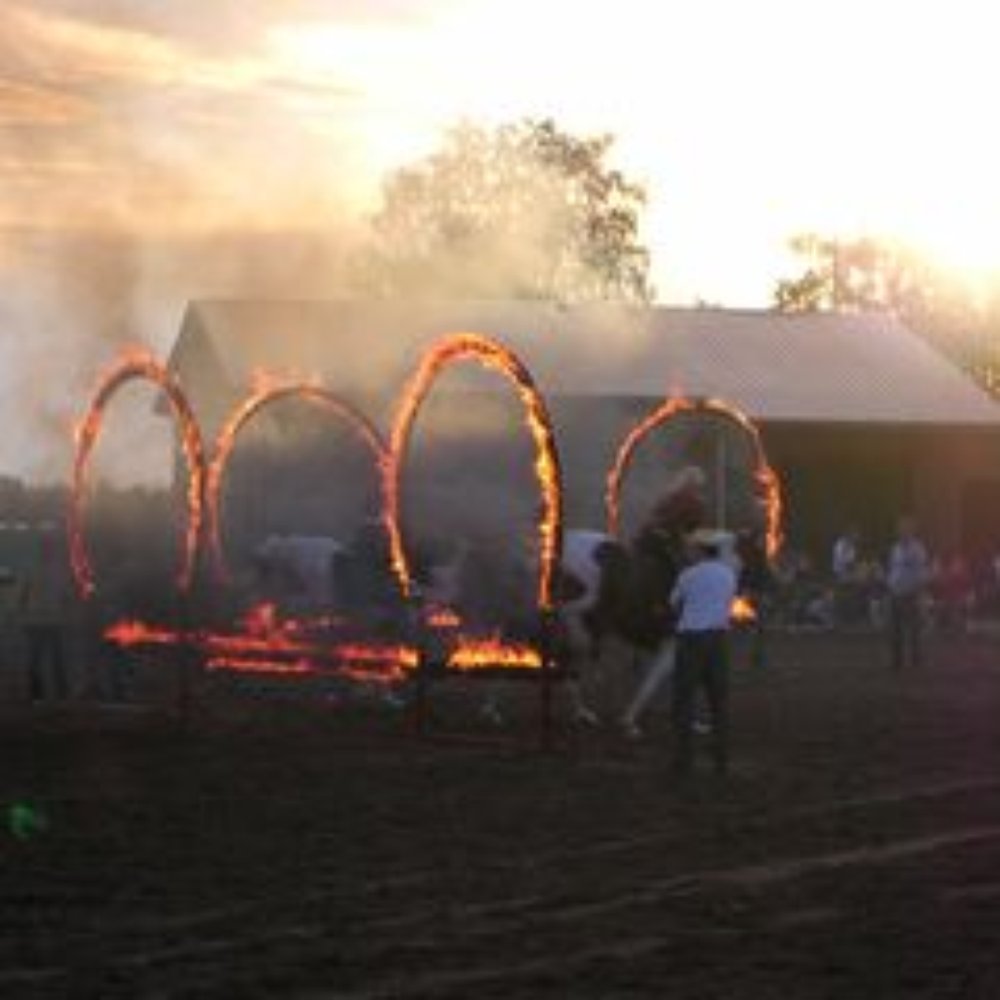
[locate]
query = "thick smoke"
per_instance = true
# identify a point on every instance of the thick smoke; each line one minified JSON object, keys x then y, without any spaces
{"x":148,"y":157}
{"x":70,"y":302}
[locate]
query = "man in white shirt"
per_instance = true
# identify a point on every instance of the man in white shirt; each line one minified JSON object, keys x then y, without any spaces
{"x":908,"y":573}
{"x":703,"y":597}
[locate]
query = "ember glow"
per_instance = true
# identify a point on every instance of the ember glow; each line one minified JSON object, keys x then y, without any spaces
{"x":245,"y":665}
{"x":268,"y":644}
{"x":478,"y":654}
{"x":132,"y":632}
{"x":142,"y":366}
{"x":265,"y":643}
{"x":765,"y":479}
{"x":266,"y":392}
{"x":441,"y":617}
{"x":742,"y":610}
{"x":547,"y":469}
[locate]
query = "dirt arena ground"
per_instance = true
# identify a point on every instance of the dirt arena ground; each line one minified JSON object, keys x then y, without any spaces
{"x":283,"y":848}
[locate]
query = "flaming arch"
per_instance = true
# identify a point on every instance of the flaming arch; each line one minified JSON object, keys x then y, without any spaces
{"x":496,"y":357}
{"x":766,"y":480}
{"x":266,"y":393}
{"x":136,"y":365}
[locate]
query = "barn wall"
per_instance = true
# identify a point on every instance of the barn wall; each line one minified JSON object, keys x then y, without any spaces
{"x":867,"y":476}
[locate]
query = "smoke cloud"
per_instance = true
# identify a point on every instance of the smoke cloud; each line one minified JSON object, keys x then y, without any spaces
{"x":149,"y":156}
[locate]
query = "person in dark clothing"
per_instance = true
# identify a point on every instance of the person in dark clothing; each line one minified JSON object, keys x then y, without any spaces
{"x":44,"y":605}
{"x":907,"y":576}
{"x":757,"y":583}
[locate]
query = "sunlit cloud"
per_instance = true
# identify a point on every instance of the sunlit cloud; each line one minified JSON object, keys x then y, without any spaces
{"x":747,"y":122}
{"x":31,"y":104}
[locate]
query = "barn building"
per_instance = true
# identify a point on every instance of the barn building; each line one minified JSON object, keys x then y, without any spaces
{"x":860,"y":418}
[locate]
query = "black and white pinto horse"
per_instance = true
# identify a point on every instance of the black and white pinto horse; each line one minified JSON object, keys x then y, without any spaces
{"x":610,"y":588}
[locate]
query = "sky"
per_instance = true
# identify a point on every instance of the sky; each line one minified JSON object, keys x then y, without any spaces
{"x":168,"y":125}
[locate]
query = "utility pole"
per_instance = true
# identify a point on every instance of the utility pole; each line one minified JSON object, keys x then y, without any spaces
{"x":837,"y":290}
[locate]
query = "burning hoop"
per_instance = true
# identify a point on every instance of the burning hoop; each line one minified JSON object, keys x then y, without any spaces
{"x":143,"y":366}
{"x":494,"y":356}
{"x":268,"y":392}
{"x":766,"y":480}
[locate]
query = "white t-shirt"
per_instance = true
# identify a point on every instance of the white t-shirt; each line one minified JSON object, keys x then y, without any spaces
{"x":909,"y":567}
{"x":704,"y":596}
{"x":845,"y":556}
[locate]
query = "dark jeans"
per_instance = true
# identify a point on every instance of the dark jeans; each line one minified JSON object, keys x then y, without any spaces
{"x":702,"y":664}
{"x":45,"y":646}
{"x":758,"y":628}
{"x":905,"y":628}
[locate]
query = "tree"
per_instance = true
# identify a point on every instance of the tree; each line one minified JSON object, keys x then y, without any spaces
{"x":520,"y":211}
{"x":856,"y":275}
{"x":884,"y":275}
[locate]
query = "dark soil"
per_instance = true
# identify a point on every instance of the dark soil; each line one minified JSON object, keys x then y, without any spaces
{"x":295,"y":847}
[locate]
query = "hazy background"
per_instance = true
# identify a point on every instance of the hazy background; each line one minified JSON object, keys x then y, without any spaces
{"x":155,"y":152}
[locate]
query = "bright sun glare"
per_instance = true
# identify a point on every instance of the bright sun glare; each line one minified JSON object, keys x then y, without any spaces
{"x":743,"y":137}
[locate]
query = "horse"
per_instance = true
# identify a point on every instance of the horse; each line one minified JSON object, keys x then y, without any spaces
{"x":611,"y":587}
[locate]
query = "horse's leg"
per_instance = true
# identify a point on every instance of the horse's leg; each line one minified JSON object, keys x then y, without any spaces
{"x":582,"y":712}
{"x":583,"y":649}
{"x":658,"y":670}
{"x":490,"y":710}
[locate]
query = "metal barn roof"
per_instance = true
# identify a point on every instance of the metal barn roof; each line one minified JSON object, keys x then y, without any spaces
{"x":815,"y":367}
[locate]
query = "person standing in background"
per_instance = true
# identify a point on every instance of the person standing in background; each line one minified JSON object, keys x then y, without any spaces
{"x":44,"y":603}
{"x":907,"y":576}
{"x":844,"y":568}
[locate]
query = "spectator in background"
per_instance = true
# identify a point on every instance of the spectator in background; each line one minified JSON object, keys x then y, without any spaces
{"x":44,"y":605}
{"x":907,"y":577}
{"x":952,"y":590}
{"x":805,"y":599}
{"x":845,"y":565}
{"x":871,"y":591}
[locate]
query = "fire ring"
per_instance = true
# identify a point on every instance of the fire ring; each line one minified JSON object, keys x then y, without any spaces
{"x":766,"y":479}
{"x":246,"y":410}
{"x":146,"y":367}
{"x":494,"y":356}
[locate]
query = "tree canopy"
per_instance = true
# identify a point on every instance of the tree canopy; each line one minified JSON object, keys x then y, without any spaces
{"x":522,"y":210}
{"x":860,"y":274}
{"x":872,"y":273}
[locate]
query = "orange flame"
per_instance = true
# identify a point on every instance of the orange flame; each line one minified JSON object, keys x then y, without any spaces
{"x":392,"y":655}
{"x":442,"y":617}
{"x":261,"y":619}
{"x":371,"y":666}
{"x":476,"y":654}
{"x":498,"y":358}
{"x":245,"y":665}
{"x":136,"y":364}
{"x":269,"y":389}
{"x":766,"y":479}
{"x":133,"y":632}
{"x":742,"y":610}
{"x":269,"y":645}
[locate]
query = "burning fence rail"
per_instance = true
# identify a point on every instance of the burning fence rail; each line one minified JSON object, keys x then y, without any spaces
{"x":266,"y":643}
